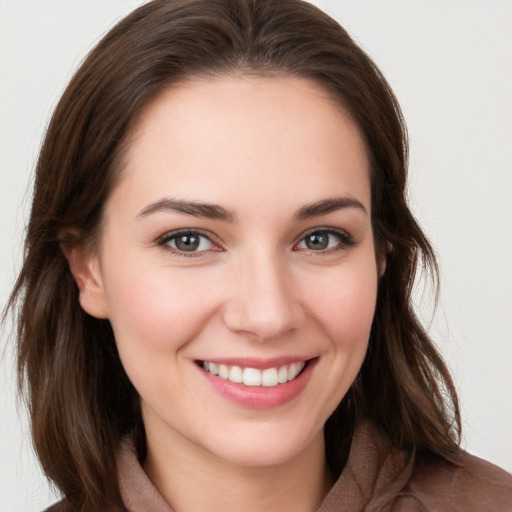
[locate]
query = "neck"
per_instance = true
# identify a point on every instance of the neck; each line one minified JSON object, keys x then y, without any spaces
{"x":191,"y":480}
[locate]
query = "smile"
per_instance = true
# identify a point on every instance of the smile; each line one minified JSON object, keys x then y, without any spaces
{"x":258,"y":384}
{"x":269,"y":377}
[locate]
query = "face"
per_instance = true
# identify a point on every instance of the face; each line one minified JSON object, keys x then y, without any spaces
{"x":237,"y":266}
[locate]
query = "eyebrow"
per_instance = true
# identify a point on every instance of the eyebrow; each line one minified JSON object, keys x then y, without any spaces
{"x":326,"y":206}
{"x":195,"y":208}
{"x":214,"y":211}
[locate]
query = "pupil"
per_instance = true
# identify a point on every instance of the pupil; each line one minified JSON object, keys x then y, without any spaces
{"x":317,"y":241}
{"x":187,"y":242}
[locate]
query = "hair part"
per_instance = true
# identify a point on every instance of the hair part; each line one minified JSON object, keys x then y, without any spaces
{"x":80,"y":400}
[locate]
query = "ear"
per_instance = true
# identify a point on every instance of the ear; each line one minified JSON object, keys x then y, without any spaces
{"x":383,"y":258}
{"x":85,"y":268}
{"x":382,"y":264}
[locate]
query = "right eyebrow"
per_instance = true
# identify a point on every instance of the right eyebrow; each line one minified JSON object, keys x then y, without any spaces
{"x":194,"y":208}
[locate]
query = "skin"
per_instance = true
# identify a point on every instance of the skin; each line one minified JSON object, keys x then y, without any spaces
{"x":263,"y":149}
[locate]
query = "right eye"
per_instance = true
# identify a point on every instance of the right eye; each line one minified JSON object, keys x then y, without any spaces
{"x":187,"y":242}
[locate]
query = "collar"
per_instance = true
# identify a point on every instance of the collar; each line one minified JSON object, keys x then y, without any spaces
{"x":373,"y":475}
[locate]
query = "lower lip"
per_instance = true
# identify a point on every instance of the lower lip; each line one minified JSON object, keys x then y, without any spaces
{"x":260,"y":397}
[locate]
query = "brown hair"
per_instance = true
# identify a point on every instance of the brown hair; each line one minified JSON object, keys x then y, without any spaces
{"x":80,"y":399}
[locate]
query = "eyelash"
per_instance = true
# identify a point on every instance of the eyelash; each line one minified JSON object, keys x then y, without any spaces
{"x":345,"y":241}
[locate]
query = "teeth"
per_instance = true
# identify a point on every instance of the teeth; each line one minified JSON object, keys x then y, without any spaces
{"x":282,"y":375}
{"x":269,"y":377}
{"x":236,"y":374}
{"x":223,"y":371}
{"x":293,"y":371}
{"x":252,"y":376}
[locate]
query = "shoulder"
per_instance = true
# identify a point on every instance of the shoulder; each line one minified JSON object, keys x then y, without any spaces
{"x":56,"y":507}
{"x":379,"y":477}
{"x":473,"y":485}
{"x":61,"y":507}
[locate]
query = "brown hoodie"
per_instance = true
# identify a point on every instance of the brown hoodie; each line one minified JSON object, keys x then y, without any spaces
{"x":376,"y":478}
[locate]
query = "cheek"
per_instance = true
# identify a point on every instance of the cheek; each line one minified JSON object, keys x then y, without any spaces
{"x":155,"y":310}
{"x":344,"y":305}
{"x":155,"y":313}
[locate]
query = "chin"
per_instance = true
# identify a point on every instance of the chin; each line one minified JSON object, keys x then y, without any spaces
{"x":262,"y":449}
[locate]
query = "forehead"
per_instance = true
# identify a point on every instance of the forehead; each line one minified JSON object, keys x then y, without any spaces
{"x":259,"y":137}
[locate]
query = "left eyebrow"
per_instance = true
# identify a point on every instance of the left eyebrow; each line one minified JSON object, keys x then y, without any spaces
{"x":327,"y":206}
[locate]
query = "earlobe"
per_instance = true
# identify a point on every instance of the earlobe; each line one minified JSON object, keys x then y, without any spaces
{"x":85,"y":268}
{"x":382,"y":265}
{"x":384,"y":258}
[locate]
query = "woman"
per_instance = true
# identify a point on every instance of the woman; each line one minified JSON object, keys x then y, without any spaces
{"x":215,"y":308}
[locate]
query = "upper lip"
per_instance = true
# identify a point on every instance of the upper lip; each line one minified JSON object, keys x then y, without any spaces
{"x":258,"y":363}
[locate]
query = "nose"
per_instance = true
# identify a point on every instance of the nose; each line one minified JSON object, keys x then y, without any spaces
{"x":263,"y":300}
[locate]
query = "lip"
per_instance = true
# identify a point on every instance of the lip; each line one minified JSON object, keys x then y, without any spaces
{"x":260,"y":397}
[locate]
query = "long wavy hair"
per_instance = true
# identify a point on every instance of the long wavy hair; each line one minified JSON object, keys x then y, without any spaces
{"x":80,"y":400}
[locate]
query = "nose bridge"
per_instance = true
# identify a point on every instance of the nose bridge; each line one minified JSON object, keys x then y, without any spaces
{"x":263,"y":303}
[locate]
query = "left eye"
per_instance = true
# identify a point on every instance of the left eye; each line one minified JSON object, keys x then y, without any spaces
{"x":188,"y":241}
{"x":322,"y":241}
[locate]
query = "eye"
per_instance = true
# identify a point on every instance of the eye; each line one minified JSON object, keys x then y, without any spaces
{"x":187,"y":241}
{"x":325,"y":240}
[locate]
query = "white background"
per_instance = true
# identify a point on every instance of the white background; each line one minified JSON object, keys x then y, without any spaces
{"x":450,"y":64}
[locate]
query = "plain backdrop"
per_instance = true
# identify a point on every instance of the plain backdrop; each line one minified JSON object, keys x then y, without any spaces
{"x":450,"y":64}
